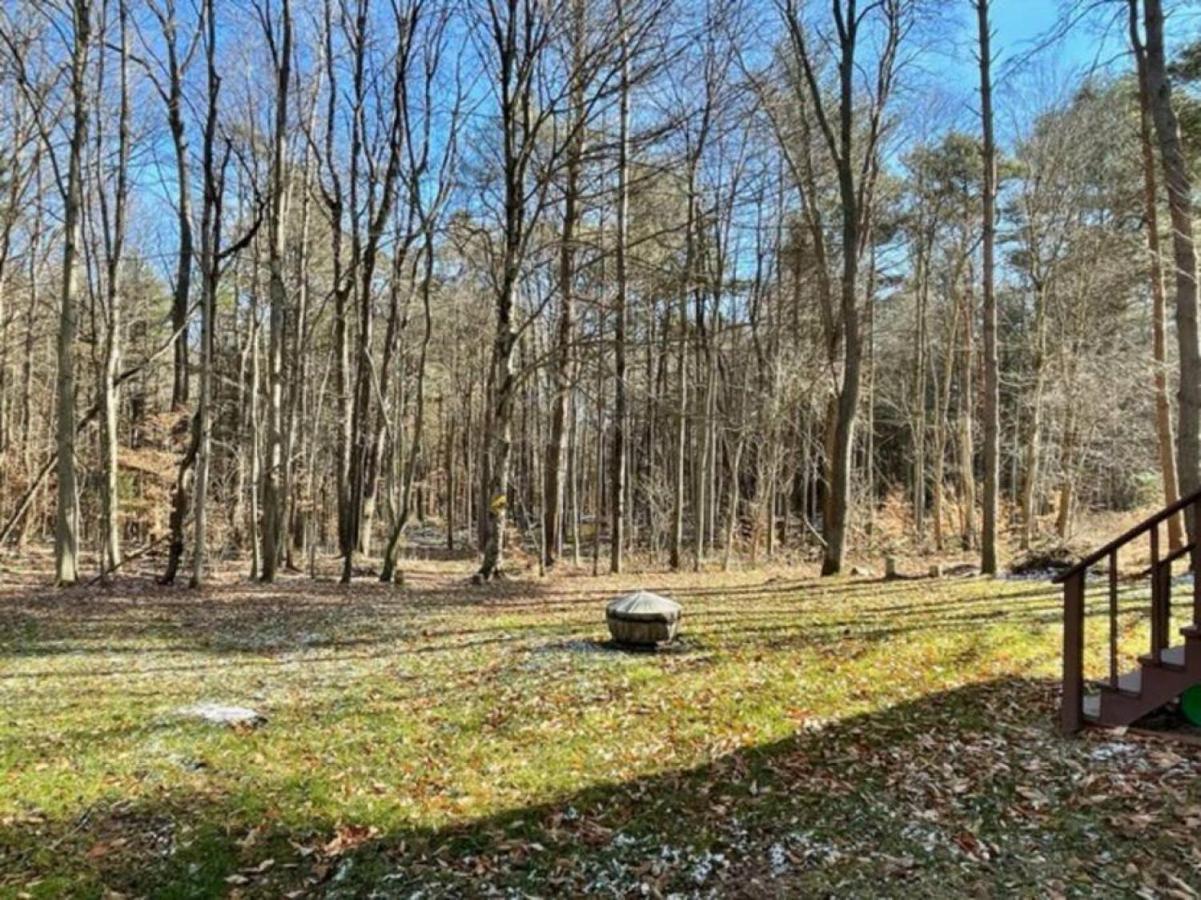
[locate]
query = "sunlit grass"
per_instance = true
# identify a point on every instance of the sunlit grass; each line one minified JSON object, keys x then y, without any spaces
{"x":443,"y":736}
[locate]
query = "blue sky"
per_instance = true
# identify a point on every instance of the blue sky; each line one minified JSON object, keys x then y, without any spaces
{"x":1022,"y":27}
{"x":1040,"y":50}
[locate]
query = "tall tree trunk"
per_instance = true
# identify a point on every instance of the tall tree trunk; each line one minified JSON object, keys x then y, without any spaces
{"x":1067,"y":492}
{"x":552,"y":523}
{"x":409,"y":466}
{"x":598,"y":470}
{"x":942,"y":410}
{"x":274,"y":500}
{"x":66,"y":527}
{"x":114,"y":253}
{"x":681,"y":442}
{"x":992,"y":391}
{"x":1033,"y":428}
{"x":919,"y":394}
{"x":210,"y":267}
{"x":204,"y":426}
{"x":1163,"y":406}
{"x":299,"y":508}
{"x":1180,"y":208}
{"x":857,"y":171}
{"x":254,"y":430}
{"x":966,"y":440}
{"x":502,"y":390}
{"x":732,"y":514}
{"x":617,"y":458}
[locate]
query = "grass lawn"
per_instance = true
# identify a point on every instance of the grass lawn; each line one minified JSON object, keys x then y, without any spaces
{"x":805,"y":737}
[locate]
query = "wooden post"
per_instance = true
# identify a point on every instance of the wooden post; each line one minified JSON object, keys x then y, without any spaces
{"x":1156,"y":596}
{"x":1195,"y":567}
{"x":1113,"y":619}
{"x":1071,"y":714}
{"x":1165,"y":605}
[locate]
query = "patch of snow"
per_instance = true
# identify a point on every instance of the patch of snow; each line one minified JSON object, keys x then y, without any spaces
{"x":220,"y":714}
{"x":813,"y":849}
{"x":1047,"y":574}
{"x":927,"y":837}
{"x":777,"y":856}
{"x":703,"y":868}
{"x":1106,"y":752}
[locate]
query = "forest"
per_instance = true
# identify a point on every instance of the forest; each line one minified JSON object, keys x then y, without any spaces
{"x":599,"y":448}
{"x":690,"y":283}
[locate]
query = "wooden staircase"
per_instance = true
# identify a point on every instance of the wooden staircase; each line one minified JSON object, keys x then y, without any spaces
{"x":1173,"y":662}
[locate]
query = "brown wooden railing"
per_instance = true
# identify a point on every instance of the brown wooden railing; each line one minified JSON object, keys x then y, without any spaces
{"x":1160,"y":573}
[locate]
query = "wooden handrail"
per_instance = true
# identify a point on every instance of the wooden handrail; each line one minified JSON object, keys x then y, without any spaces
{"x":1146,"y":525}
{"x":1176,"y":554}
{"x":1160,"y":570}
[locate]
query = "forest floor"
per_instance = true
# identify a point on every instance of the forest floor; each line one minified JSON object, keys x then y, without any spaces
{"x":804,"y":737}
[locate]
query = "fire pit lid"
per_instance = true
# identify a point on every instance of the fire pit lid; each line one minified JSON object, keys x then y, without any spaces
{"x":643,"y":606}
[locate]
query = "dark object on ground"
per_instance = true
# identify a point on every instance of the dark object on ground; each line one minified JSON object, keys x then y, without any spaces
{"x":961,"y":570}
{"x":1053,"y":559}
{"x":892,"y":573}
{"x":642,"y":619}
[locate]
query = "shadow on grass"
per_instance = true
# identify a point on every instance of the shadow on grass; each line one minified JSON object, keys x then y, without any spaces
{"x":967,"y":790}
{"x":332,"y":622}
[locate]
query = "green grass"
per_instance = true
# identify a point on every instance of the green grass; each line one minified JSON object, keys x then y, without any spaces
{"x":805,"y":737}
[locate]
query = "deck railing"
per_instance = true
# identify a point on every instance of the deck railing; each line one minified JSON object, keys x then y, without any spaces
{"x":1160,"y":610}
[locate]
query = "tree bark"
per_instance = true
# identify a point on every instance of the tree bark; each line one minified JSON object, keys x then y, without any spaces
{"x":617,"y":457}
{"x":1034,"y":426}
{"x":66,"y":528}
{"x":966,"y":440}
{"x":1180,"y":208}
{"x":114,"y":257}
{"x":274,"y":499}
{"x":992,"y":394}
{"x":209,"y":264}
{"x":857,"y":171}
{"x":1163,"y":407}
{"x":552,"y":525}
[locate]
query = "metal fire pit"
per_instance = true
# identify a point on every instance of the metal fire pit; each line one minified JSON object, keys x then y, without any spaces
{"x":642,"y":619}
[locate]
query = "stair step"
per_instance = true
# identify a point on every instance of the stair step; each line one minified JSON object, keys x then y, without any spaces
{"x":1142,"y":690}
{"x":1131,"y":682}
{"x":1171,"y":656}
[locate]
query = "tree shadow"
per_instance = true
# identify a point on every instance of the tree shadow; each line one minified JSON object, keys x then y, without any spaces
{"x":230,"y":621}
{"x":263,"y":629}
{"x":967,"y":791}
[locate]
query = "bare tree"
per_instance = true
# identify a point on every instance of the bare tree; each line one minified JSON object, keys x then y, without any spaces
{"x":113,"y":212}
{"x":273,"y":500}
{"x":617,"y":456}
{"x":70,"y":187}
{"x":1163,"y":406}
{"x":992,"y":389}
{"x":858,"y":170}
{"x":518,"y":36}
{"x":1180,"y":208}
